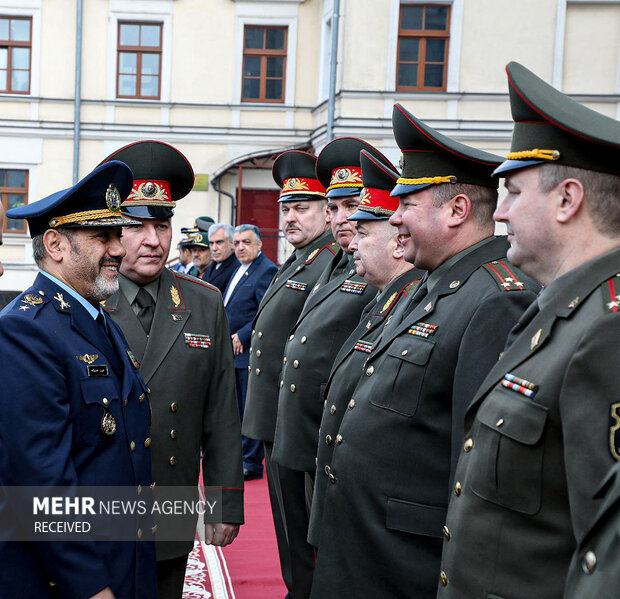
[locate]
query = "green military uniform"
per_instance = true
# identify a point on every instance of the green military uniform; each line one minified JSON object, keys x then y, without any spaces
{"x":542,"y":429}
{"x":391,"y":472}
{"x":595,"y":567}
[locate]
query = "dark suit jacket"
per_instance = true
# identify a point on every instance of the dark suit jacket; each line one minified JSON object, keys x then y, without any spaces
{"x":345,"y":373}
{"x":393,"y":468}
{"x":276,"y":316}
{"x":220,"y":276}
{"x":51,"y":409}
{"x":187,"y":362}
{"x":535,"y":462}
{"x":244,"y":301}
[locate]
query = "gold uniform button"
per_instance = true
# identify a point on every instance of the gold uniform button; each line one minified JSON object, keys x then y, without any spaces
{"x":147,"y":442}
{"x":260,"y":334}
{"x":284,"y":360}
{"x":467,"y":446}
{"x":304,"y":339}
{"x":154,"y":529}
{"x":327,"y":470}
{"x":173,"y":434}
{"x":139,"y":489}
{"x":258,"y":353}
{"x":42,"y":293}
{"x":296,"y":364}
{"x":370,"y":370}
{"x":291,"y":337}
{"x":132,"y":446}
{"x":139,"y":533}
{"x":328,"y":440}
{"x":52,"y":584}
{"x":105,"y":401}
{"x":446,"y":533}
{"x":281,"y":384}
{"x":589,"y":562}
{"x":499,"y":422}
{"x":174,"y":406}
{"x":332,"y":410}
{"x":142,"y":397}
{"x":403,"y":353}
{"x":443,"y":578}
{"x":292,"y":388}
{"x":126,"y":401}
{"x":351,"y":404}
{"x":257,"y":371}
{"x":458,"y":487}
{"x":253,"y":331}
{"x":339,"y":439}
{"x":173,"y":461}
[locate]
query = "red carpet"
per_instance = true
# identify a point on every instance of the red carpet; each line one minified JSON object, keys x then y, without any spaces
{"x":247,"y":569}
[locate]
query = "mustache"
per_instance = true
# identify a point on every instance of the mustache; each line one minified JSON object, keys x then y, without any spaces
{"x":109,"y":260}
{"x":292,"y":228}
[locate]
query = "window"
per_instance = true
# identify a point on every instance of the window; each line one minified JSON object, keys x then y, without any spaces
{"x":139,"y":60}
{"x":264,"y":63}
{"x":423,"y":36}
{"x":14,"y":193}
{"x":15,"y":51}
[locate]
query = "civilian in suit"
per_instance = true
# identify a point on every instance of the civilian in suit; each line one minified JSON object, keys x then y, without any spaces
{"x":241,"y":300}
{"x":72,"y":409}
{"x":177,"y":328}
{"x":224,"y":262}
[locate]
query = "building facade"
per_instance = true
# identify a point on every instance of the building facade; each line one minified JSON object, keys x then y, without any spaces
{"x":232,"y":83}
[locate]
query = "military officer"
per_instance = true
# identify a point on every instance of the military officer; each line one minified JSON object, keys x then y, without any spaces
{"x":177,"y":328}
{"x":74,"y":410}
{"x":392,"y":470}
{"x":330,"y":313}
{"x":304,"y":219}
{"x":541,"y":432}
{"x":379,"y":259}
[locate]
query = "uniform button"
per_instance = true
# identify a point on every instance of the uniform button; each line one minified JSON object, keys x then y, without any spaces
{"x":132,"y":446}
{"x":257,"y":371}
{"x":249,"y":369}
{"x":499,"y":422}
{"x":174,"y":406}
{"x":173,"y":461}
{"x":105,"y":401}
{"x":332,"y":479}
{"x":41,"y":292}
{"x":139,"y":533}
{"x":370,"y":370}
{"x":403,"y":353}
{"x":52,"y":584}
{"x":339,"y":439}
{"x":148,"y":391}
{"x":316,"y":461}
{"x":328,"y":440}
{"x":296,"y":364}
{"x":351,"y":404}
{"x":253,"y":331}
{"x":443,"y":578}
{"x":304,"y":339}
{"x":293,"y":388}
{"x":142,"y":397}
{"x":251,"y":350}
{"x":589,"y":562}
{"x":139,"y":489}
{"x":258,"y":353}
{"x":446,"y":533}
{"x":284,"y":360}
{"x":457,"y":488}
{"x":281,"y":384}
{"x":260,"y":334}
{"x":153,"y":486}
{"x":467,"y":446}
{"x":173,"y":434}
{"x":126,"y":401}
{"x":332,"y":410}
{"x":327,"y":470}
{"x":147,"y":442}
{"x":291,"y":337}
{"x":154,"y":529}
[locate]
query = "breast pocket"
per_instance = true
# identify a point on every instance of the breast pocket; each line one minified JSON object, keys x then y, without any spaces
{"x":99,"y":417}
{"x":509,"y":452}
{"x":403,"y":369}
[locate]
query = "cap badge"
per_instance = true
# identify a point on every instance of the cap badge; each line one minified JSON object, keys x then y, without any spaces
{"x":295,"y":184}
{"x":149,"y":190}
{"x":113,"y":199}
{"x":346,"y":175}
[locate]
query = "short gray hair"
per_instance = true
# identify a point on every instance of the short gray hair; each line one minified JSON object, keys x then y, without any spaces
{"x":253,"y":228}
{"x":228,"y":230}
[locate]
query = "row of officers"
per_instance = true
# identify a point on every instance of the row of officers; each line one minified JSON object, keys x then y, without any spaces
{"x":462,"y":386}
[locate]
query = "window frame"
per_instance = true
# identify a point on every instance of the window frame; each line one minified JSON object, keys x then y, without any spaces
{"x":264,"y":54}
{"x":4,"y":198}
{"x":423,"y":35}
{"x":139,"y":50}
{"x":9,"y":44}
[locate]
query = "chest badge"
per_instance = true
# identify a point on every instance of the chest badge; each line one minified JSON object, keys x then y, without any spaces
{"x":197,"y":340}
{"x":297,"y":285}
{"x":87,"y":358}
{"x":108,"y":423}
{"x":350,"y":286}
{"x":535,"y":339}
{"x":177,"y":317}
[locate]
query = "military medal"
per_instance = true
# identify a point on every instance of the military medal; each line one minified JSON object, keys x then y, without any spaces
{"x":422,"y":329}
{"x":350,"y":286}
{"x":522,"y":386}
{"x":197,"y":340}
{"x":297,"y":285}
{"x":174,"y":294}
{"x":108,"y":423}
{"x":132,"y":359}
{"x":364,"y":346}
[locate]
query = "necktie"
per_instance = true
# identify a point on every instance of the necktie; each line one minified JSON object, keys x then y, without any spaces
{"x":343,"y":264}
{"x":290,"y":261}
{"x":146,"y":306}
{"x":525,"y":319}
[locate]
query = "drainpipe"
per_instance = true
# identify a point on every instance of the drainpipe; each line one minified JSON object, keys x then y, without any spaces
{"x":78,"y":92}
{"x":216,"y":187}
{"x":332,"y":73}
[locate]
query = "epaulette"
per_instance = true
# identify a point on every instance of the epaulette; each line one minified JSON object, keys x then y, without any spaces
{"x":197,"y":281}
{"x":393,"y":299}
{"x":502,"y":274}
{"x":30,"y":303}
{"x":611,"y":294}
{"x":333,"y":247}
{"x":411,"y":287}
